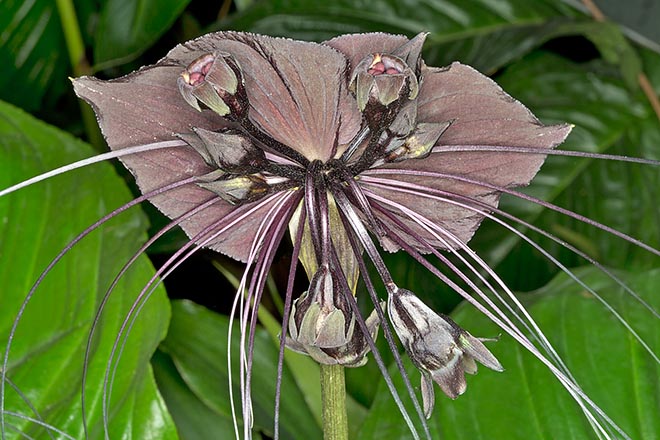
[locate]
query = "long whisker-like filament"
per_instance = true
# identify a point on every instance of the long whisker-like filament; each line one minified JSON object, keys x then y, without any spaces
{"x":286,"y":312}
{"x":440,"y":234}
{"x":27,"y":401}
{"x":469,"y":204}
{"x":115,"y":281}
{"x":580,"y":397}
{"x":250,"y":301}
{"x":51,"y":265}
{"x":203,"y":238}
{"x":387,"y":332}
{"x":239,"y":301}
{"x":245,"y":304}
{"x":543,"y":152}
{"x":50,"y":428}
{"x":265,"y":260}
{"x":219,"y":227}
{"x":377,"y":356}
{"x":419,"y":190}
{"x":520,"y":195}
{"x":92,"y":160}
{"x":351,"y":218}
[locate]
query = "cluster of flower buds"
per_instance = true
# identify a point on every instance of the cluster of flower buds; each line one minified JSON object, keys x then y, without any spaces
{"x":386,"y":87}
{"x":215,"y":80}
{"x":323,"y":326}
{"x":442,"y":350}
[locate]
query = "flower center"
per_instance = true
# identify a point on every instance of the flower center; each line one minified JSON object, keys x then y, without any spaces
{"x":196,"y":72}
{"x":384,"y":66}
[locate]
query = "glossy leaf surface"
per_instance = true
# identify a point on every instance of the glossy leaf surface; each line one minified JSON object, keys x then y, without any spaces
{"x":46,"y":359}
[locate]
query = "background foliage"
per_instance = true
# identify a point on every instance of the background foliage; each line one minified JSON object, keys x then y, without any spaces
{"x":551,"y":55}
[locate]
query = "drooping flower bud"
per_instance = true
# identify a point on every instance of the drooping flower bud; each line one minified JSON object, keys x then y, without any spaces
{"x":229,"y":151}
{"x":323,"y":326}
{"x":417,"y":145}
{"x":442,"y":350}
{"x":382,"y":83}
{"x":215,"y":80}
{"x":240,"y":189}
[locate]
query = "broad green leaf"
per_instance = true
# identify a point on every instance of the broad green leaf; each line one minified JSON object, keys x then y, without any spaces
{"x":32,"y":51}
{"x":127,"y":28}
{"x":482,"y":33}
{"x":526,"y":400}
{"x":197,"y":343}
{"x":609,"y":119}
{"x":46,"y":358}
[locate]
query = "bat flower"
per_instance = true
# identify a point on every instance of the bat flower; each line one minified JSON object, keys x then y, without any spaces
{"x":348,"y":145}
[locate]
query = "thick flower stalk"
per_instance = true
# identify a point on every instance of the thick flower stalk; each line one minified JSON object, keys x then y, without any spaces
{"x":350,"y":144}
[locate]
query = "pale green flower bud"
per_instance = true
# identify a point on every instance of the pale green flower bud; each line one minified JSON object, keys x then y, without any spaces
{"x":215,"y":80}
{"x":323,"y":326}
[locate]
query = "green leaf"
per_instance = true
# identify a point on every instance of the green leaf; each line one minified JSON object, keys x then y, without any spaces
{"x":608,"y":363}
{"x":482,"y":33}
{"x":127,"y":28}
{"x":46,"y":358}
{"x":32,"y":51}
{"x":197,"y":343}
{"x":526,"y":400}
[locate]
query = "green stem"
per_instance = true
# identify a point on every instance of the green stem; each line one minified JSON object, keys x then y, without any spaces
{"x":72,"y":36}
{"x":333,"y":392}
{"x":76,"y":48}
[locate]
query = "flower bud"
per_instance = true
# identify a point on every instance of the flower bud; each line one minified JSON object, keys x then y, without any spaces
{"x":241,"y":189}
{"x":229,"y":151}
{"x":215,"y":80}
{"x":381,"y":83}
{"x":419,"y":144}
{"x":442,"y":350}
{"x":323,"y":326}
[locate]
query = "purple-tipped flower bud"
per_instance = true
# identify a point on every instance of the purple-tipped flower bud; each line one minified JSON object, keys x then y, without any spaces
{"x":442,"y":350}
{"x":381,"y":84}
{"x":323,"y":326}
{"x":215,"y":80}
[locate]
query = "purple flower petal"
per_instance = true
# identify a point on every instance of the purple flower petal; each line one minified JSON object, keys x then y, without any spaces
{"x":146,"y":107}
{"x":297,"y":90}
{"x":481,"y":114}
